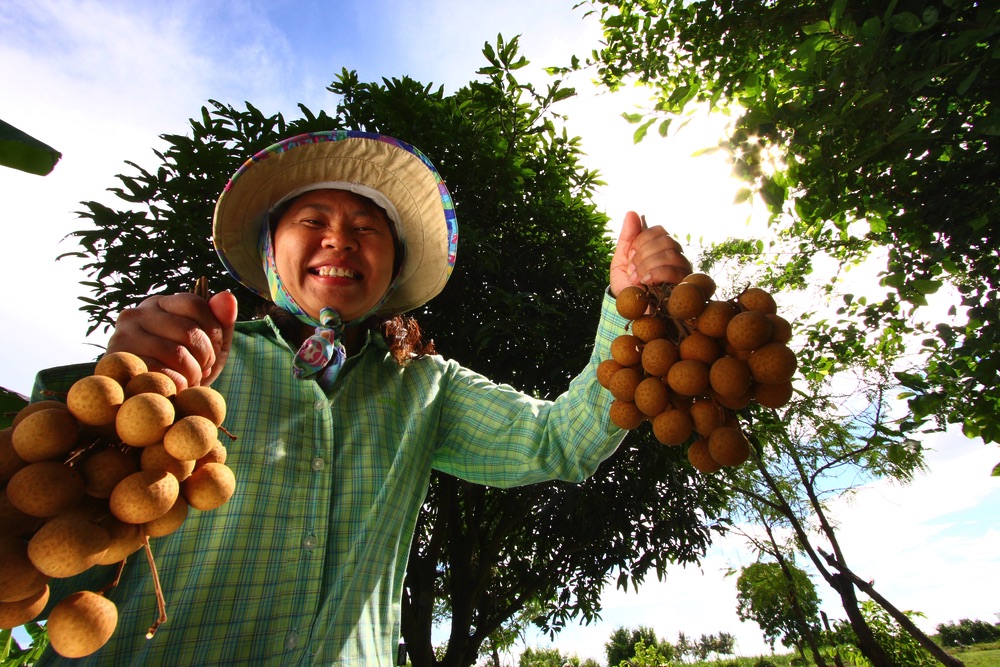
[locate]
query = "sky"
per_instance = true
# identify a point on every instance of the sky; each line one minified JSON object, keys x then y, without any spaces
{"x":102,"y":80}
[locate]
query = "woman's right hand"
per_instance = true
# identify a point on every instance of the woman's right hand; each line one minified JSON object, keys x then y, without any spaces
{"x":181,"y":335}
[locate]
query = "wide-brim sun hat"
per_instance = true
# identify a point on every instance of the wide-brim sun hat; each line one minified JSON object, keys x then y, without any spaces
{"x":391,"y":172}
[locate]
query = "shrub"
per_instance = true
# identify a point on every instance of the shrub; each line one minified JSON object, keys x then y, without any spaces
{"x":967,"y":632}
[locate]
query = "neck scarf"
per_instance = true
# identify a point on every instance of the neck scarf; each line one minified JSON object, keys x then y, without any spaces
{"x":322,"y":355}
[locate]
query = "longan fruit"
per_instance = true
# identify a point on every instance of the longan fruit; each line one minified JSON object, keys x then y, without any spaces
{"x":103,"y":469}
{"x":781,"y":329}
{"x":202,"y":401}
{"x":658,"y":356}
{"x":95,"y":400}
{"x":125,"y":540}
{"x":734,"y":402}
{"x":672,"y":426}
{"x":10,"y":461}
{"x":625,"y":415}
{"x":218,"y":454}
{"x":210,"y":486}
{"x":144,"y":496}
{"x":81,"y":623}
{"x":45,"y":488}
{"x":13,"y":521}
{"x":632,"y":302}
{"x":151,"y":382}
{"x":143,"y":419}
{"x":715,"y":318}
{"x":19,"y":578}
{"x":704,"y":281}
{"x":121,"y":366}
{"x":605,"y":370}
{"x":626,"y":349}
{"x":156,"y":457}
{"x":650,"y":327}
{"x":688,"y":377}
{"x":700,"y":458}
{"x":749,"y":330}
{"x":705,"y":416}
{"x":45,"y":435}
{"x":169,"y":522}
{"x":651,"y":396}
{"x":773,"y":395}
{"x":686,"y":301}
{"x":32,"y":408}
{"x":624,"y":383}
{"x":728,"y":446}
{"x":757,"y":299}
{"x":730,"y":377}
{"x":699,"y":347}
{"x":18,"y":612}
{"x":67,"y":545}
{"x":190,"y":438}
{"x":773,"y":363}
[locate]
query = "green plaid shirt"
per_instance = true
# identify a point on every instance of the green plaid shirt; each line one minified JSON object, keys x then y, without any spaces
{"x":305,"y":564}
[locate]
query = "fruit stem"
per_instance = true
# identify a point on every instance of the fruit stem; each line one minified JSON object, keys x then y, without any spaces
{"x":160,"y":602}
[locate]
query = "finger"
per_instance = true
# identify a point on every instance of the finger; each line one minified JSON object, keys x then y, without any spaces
{"x":225,"y":309}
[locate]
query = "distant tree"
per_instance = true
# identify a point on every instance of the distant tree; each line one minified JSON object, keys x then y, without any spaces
{"x":645,"y":656}
{"x":545,"y":657}
{"x":966,"y":633}
{"x":779,"y":598}
{"x":621,"y":645}
{"x":683,"y":647}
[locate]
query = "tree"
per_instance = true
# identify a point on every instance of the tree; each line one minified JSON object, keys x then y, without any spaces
{"x":900,"y":646}
{"x":778,"y":602}
{"x":866,"y":128}
{"x":520,"y":307}
{"x":624,"y":645}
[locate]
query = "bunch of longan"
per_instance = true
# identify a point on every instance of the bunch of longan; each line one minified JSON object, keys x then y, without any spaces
{"x":89,"y":481}
{"x":691,"y":361}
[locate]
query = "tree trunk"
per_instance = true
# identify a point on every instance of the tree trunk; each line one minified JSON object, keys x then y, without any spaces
{"x":869,"y":646}
{"x":837,"y":660}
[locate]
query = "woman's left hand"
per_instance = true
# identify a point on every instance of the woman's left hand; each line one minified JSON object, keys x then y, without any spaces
{"x":646,"y":256}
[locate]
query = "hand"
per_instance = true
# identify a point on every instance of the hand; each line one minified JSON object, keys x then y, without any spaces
{"x":181,"y":335}
{"x":646,"y":256}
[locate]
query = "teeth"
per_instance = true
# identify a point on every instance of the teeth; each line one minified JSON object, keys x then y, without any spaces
{"x":334,"y":271}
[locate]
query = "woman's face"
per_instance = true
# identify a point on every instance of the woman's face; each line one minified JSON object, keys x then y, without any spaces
{"x":335,"y":249}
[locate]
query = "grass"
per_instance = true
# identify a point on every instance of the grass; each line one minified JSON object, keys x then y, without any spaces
{"x":979,"y":655}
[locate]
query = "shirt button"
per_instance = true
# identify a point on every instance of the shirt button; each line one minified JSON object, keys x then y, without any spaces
{"x":291,"y":641}
{"x":320,"y":405}
{"x":309,"y":542}
{"x":317,"y":463}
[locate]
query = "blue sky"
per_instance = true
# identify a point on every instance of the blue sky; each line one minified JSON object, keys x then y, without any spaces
{"x":101,"y":80}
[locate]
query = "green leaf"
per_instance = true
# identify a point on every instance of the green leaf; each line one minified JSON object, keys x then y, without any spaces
{"x":25,"y":153}
{"x":996,"y":471}
{"x":817,"y":28}
{"x":906,"y":22}
{"x":640,"y":132}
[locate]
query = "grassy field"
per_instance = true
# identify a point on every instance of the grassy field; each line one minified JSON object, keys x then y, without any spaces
{"x":981,"y":655}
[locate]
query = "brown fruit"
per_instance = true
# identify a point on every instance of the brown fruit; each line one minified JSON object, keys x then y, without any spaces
{"x":81,"y":623}
{"x":658,"y":356}
{"x":650,"y":327}
{"x":170,"y":521}
{"x":632,"y":302}
{"x":156,"y":457}
{"x":773,"y":395}
{"x":144,"y":495}
{"x":122,"y":366}
{"x":45,"y":435}
{"x":67,"y":545}
{"x":781,"y":329}
{"x":730,"y":377}
{"x":202,"y":401}
{"x":624,"y":383}
{"x":699,"y":347}
{"x":151,"y":382}
{"x":605,"y":370}
{"x":17,"y":613}
{"x":728,"y":446}
{"x":625,"y":415}
{"x":734,"y":402}
{"x":103,"y":469}
{"x":651,"y":396}
{"x":143,"y":419}
{"x":125,"y":540}
{"x":705,"y":416}
{"x":688,"y":377}
{"x":218,"y":454}
{"x":10,"y":461}
{"x":14,"y":522}
{"x":19,"y":578}
{"x":94,"y":400}
{"x":32,"y":408}
{"x":773,"y":363}
{"x":757,"y":299}
{"x":704,"y":281}
{"x":45,"y":488}
{"x":715,"y":318}
{"x":190,"y":438}
{"x":210,"y":486}
{"x":700,"y":458}
{"x":749,"y":330}
{"x":626,"y":349}
{"x":686,"y":301}
{"x":672,"y":426}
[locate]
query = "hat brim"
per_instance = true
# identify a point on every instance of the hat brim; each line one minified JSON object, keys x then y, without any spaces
{"x":388,"y":166}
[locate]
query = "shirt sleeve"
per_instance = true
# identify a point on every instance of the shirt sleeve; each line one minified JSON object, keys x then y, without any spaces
{"x":494,"y":435}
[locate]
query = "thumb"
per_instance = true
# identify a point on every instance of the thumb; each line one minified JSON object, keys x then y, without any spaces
{"x":631,"y":226}
{"x":224,"y":307}
{"x":621,"y":261}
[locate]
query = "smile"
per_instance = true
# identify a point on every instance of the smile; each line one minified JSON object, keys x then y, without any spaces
{"x":335,"y":272}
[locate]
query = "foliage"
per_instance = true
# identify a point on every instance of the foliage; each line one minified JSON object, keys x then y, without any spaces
{"x":767,"y":596}
{"x":13,"y":655}
{"x":966,"y":633}
{"x":898,"y":644}
{"x":521,"y":307}
{"x":544,"y":657}
{"x":623,"y":645}
{"x":869,"y":130}
{"x":646,"y":656}
{"x":23,"y":152}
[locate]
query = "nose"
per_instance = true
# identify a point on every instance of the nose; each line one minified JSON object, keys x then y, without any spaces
{"x":339,"y":236}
